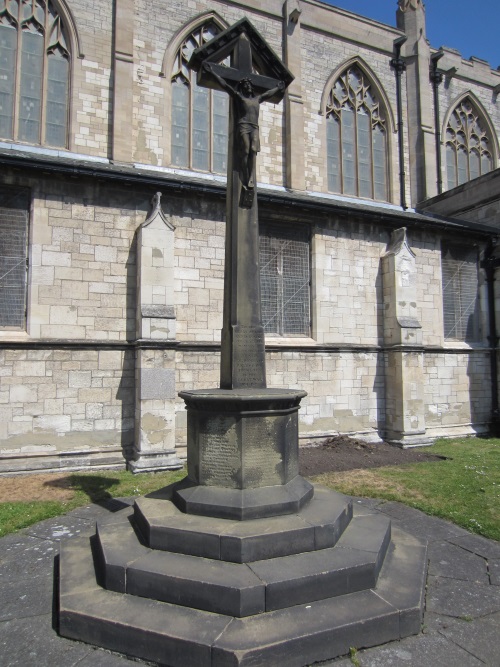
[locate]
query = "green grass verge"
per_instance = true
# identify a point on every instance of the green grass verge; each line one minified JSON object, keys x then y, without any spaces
{"x":85,"y":488}
{"x":464,"y":488}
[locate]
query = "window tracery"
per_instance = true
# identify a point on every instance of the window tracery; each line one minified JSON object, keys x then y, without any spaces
{"x":468,"y":152}
{"x":199,"y":115}
{"x":34,"y":73}
{"x":356,"y":138}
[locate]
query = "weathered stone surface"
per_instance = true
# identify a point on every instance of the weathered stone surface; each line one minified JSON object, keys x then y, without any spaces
{"x":307,"y":633}
{"x":135,"y":626}
{"x":402,"y":579}
{"x":317,"y":526}
{"x":317,"y":575}
{"x":157,"y":383}
{"x":476,"y":638}
{"x":478,"y":545}
{"x":470,"y":599}
{"x":212,"y":585}
{"x":245,"y":504}
{"x":448,"y":560}
{"x":416,"y":652}
{"x":117,"y":546}
{"x":177,"y":636}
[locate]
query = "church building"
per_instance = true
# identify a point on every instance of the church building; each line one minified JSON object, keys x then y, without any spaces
{"x":378,"y":186}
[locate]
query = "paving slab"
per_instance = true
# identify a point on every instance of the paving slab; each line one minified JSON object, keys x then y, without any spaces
{"x":441,"y":643}
{"x":448,"y":560}
{"x":27,"y":597}
{"x":26,"y":642}
{"x":464,"y":600}
{"x":423,"y":651}
{"x":494,"y":568}
{"x":420,"y":525}
{"x":478,"y":545}
{"x":476,"y":637}
{"x":101,"y":658}
{"x":102,"y":509}
{"x":23,"y":556}
{"x":62,"y":528}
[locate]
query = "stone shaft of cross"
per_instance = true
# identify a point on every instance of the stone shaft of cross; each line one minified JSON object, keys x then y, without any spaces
{"x":243,"y":346}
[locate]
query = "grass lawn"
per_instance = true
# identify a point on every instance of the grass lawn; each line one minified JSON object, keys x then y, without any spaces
{"x":79,"y":489}
{"x":464,"y":488}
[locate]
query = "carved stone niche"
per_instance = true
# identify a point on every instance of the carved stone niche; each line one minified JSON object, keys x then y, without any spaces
{"x":401,"y":321}
{"x":155,"y":276}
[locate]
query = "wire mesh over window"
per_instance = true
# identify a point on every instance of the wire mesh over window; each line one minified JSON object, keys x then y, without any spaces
{"x":460,"y":292}
{"x":285,"y":279}
{"x":13,"y":253}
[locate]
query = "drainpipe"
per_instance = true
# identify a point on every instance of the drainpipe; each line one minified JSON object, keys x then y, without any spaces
{"x":436,"y":78}
{"x":490,"y":263}
{"x":399,"y":66}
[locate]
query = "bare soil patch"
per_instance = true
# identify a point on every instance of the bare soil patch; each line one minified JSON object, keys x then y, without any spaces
{"x":27,"y":488}
{"x":336,"y":454}
{"x":342,"y":453}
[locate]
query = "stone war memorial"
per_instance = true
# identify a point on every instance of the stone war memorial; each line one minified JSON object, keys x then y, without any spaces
{"x":243,"y":562}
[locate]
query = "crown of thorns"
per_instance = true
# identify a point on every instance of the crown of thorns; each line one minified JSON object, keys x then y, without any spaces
{"x":245,"y":80}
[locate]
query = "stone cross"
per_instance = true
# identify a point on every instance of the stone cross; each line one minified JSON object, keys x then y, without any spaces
{"x":242,"y":349}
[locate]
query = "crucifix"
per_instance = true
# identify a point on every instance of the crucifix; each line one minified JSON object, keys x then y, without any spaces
{"x":242,"y":349}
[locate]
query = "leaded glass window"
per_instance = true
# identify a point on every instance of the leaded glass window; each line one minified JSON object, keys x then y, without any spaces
{"x":285,"y":280}
{"x":34,"y":73}
{"x":199,"y":115}
{"x":459,"y":267}
{"x":468,"y":146}
{"x":356,"y":138}
{"x":14,"y":206}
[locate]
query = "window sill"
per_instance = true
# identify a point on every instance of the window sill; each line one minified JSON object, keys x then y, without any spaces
{"x":286,"y":342}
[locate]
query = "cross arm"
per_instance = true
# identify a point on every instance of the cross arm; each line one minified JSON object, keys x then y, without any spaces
{"x":263,"y":85}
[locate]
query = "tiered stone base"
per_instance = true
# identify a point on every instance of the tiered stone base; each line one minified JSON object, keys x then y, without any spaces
{"x":182,"y":589}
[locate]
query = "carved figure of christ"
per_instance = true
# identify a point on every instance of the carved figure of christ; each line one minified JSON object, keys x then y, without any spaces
{"x":247,"y":109}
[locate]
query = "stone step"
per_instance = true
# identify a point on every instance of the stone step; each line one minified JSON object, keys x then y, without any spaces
{"x":316,"y":526}
{"x":302,"y":578}
{"x":243,"y":589}
{"x":295,"y":636}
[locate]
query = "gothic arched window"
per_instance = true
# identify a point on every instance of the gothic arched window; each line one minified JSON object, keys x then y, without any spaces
{"x":199,"y":115}
{"x":356,"y":138}
{"x":34,"y":73}
{"x":468,"y":145}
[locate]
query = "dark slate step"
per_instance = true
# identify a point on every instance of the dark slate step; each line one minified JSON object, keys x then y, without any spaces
{"x":296,"y":636}
{"x":317,"y":526}
{"x":156,"y":631}
{"x":327,"y":573}
{"x":117,"y":547}
{"x":213,"y":585}
{"x":239,"y":589}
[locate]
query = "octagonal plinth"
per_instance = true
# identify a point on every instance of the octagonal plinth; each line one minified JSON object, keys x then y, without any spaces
{"x":243,"y":453}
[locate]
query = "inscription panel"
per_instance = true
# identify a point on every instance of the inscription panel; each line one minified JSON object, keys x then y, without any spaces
{"x":249,"y":366}
{"x":220,"y":458}
{"x":264,"y":451}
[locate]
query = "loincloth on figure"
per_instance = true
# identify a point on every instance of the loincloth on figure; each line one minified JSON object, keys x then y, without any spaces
{"x":244,"y":128}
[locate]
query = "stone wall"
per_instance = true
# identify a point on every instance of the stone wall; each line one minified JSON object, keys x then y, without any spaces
{"x":65,"y":407}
